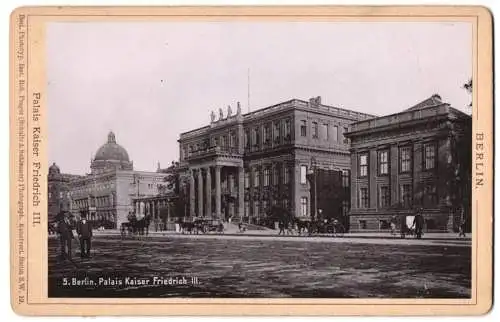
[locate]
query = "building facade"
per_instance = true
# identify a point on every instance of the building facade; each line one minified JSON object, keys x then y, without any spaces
{"x":417,"y":159}
{"x":105,"y":195}
{"x":59,"y":191}
{"x":239,"y":165}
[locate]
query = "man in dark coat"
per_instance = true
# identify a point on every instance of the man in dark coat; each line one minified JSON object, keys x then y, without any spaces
{"x":418,"y":222}
{"x":65,"y":235}
{"x":84,"y":230}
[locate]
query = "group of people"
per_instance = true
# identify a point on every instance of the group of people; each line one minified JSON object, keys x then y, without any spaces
{"x":66,"y":236}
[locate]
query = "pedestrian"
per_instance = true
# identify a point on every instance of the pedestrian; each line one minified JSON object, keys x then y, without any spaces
{"x":418,"y":222}
{"x":393,"y":225}
{"x":65,"y":236}
{"x":282,"y":227}
{"x":461,"y":226}
{"x":404,"y":228}
{"x":84,"y":231}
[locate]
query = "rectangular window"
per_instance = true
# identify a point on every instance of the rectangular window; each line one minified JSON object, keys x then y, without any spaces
{"x":315,"y":130}
{"x":286,"y":175}
{"x":287,"y":130}
{"x":256,"y":179}
{"x":383,"y":162}
{"x":363,"y":165}
{"x":277,"y":132}
{"x":335,"y":133}
{"x":303,"y":206}
{"x":362,"y":224}
{"x":286,"y":204}
{"x":345,"y":178}
{"x":326,"y":135}
{"x":384,"y":197}
{"x":267,"y":135}
{"x":276,"y":176}
{"x":256,"y":137}
{"x":256,"y":210}
{"x":405,"y":196}
{"x":265,"y":206}
{"x":267,"y":176}
{"x":303,"y":174}
{"x":303,"y":128}
{"x":430,"y":156}
{"x":405,"y":159}
{"x":247,"y":141}
{"x":345,"y":139}
{"x":247,"y":179}
{"x":363,"y":198}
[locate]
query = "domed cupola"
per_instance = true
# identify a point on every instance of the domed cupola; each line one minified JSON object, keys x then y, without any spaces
{"x":111,"y":155}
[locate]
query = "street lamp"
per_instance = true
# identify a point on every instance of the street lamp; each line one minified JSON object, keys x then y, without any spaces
{"x":312,"y":172}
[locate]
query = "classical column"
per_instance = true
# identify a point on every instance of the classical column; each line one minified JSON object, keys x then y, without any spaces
{"x":217,"y":191}
{"x":200,"y":193}
{"x":241,"y":192}
{"x":208,"y":209}
{"x":191,"y":193}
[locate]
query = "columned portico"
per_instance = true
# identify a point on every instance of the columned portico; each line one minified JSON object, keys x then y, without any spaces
{"x":191,"y":194}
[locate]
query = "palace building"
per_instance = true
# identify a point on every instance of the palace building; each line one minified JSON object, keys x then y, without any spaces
{"x":105,"y":195}
{"x":417,"y":159}
{"x":240,"y":165}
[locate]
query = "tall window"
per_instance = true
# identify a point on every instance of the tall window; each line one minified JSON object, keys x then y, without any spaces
{"x":265,"y":206}
{"x":256,"y":210}
{"x":405,"y":159}
{"x":286,"y":204}
{"x":335,"y":133}
{"x":303,"y":174}
{"x":232,"y":140}
{"x":276,"y":176}
{"x":363,"y":197}
{"x":247,"y":139}
{"x":405,"y":195}
{"x":326,"y":135}
{"x":430,"y":156}
{"x":222,"y":142}
{"x":247,"y":209}
{"x":383,"y":162}
{"x":256,"y":182}
{"x":384,"y":197}
{"x":276,"y":132}
{"x":363,"y":165}
{"x":267,"y":176}
{"x":303,"y":206}
{"x":287,"y":129}
{"x":286,"y":174}
{"x":315,"y":130}
{"x":303,"y":128}
{"x":345,"y":178}
{"x":267,"y":135}
{"x":247,"y":179}
{"x":344,"y":131}
{"x":256,"y":137}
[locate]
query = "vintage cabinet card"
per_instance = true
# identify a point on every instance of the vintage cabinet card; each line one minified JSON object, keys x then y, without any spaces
{"x":251,"y":160}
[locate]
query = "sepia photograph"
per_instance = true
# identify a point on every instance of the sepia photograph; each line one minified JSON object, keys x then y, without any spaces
{"x":259,"y":159}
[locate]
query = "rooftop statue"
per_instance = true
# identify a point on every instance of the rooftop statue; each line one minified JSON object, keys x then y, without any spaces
{"x":221,"y":114}
{"x":238,"y":109}
{"x":212,"y":116}
{"x":229,"y":111}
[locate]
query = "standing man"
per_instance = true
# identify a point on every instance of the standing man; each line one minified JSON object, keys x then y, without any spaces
{"x":65,"y":235}
{"x":418,"y":222}
{"x":84,"y":230}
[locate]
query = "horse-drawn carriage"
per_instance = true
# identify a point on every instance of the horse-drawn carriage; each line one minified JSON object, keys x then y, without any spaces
{"x":135,"y":225}
{"x":326,"y":227}
{"x":202,"y":225}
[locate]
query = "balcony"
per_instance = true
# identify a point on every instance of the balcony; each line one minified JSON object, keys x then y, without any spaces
{"x":214,"y":152}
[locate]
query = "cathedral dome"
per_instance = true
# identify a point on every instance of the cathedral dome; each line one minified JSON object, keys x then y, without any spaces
{"x":111,"y":151}
{"x":54,"y":169}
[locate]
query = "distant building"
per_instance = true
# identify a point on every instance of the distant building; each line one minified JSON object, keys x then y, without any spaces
{"x":241,"y":165}
{"x":419,"y":158}
{"x":105,"y":196}
{"x":59,"y":198}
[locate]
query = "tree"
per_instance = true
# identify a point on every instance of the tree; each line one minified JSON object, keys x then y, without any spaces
{"x":173,"y":187}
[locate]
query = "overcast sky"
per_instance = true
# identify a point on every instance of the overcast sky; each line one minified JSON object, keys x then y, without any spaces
{"x":148,"y":82}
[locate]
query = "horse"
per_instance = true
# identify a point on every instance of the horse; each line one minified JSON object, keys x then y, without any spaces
{"x":302,"y":226}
